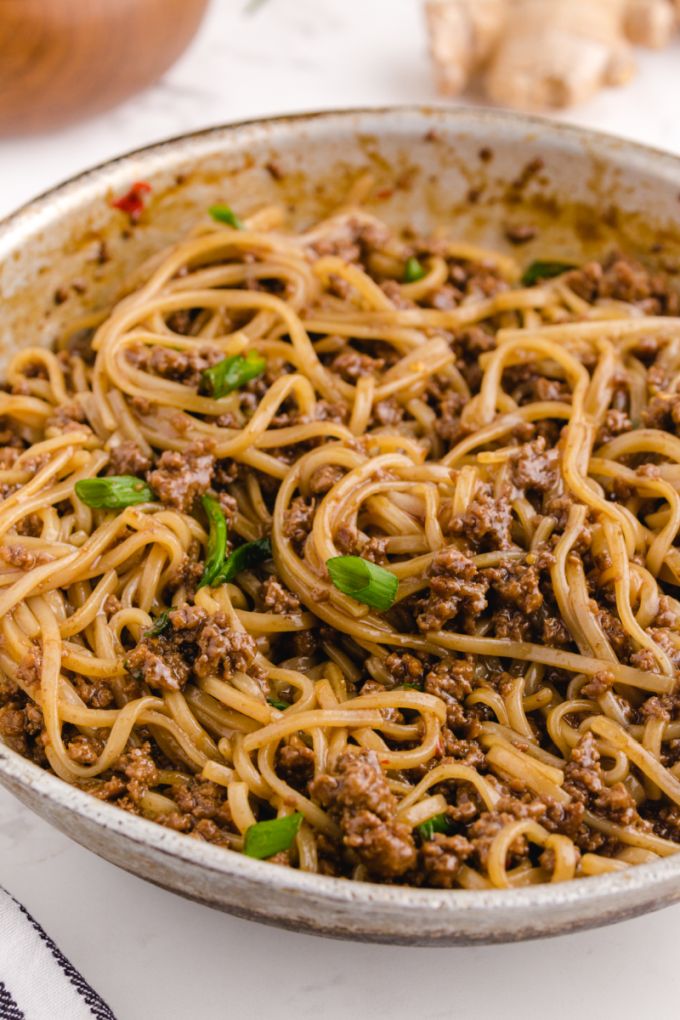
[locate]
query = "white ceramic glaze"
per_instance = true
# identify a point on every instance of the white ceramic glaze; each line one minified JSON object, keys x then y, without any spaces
{"x":430,"y":169}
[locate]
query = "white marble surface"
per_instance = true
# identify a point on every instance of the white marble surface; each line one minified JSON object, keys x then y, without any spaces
{"x":151,"y":954}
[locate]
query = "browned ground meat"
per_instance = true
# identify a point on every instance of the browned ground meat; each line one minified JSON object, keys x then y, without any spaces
{"x":277,"y":598}
{"x":625,"y":279}
{"x":178,"y":366}
{"x":352,"y":542}
{"x":160,"y":667}
{"x":455,"y":587}
{"x":295,"y":763}
{"x":180,"y":478}
{"x":298,"y":520}
{"x":485,"y":524}
{"x":222,"y":650}
{"x":193,"y":642}
{"x":535,"y":468}
{"x":441,"y":858}
{"x":128,"y":459}
{"x":356,"y":792}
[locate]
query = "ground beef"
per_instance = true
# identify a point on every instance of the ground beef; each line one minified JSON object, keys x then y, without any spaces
{"x":192,"y":642}
{"x":178,"y":366}
{"x":485,"y":524}
{"x":625,"y":279}
{"x":516,"y":583}
{"x":357,"y":794}
{"x":663,"y":412}
{"x":21,"y":721}
{"x":452,"y":681}
{"x":584,"y":781}
{"x":157,"y":665}
{"x":67,"y":417}
{"x":441,"y":857}
{"x":536,"y":468}
{"x":615,"y":424}
{"x":456,"y":587}
{"x":277,"y":599}
{"x":295,"y":764}
{"x":128,"y":459}
{"x":180,"y":478}
{"x":324,"y":478}
{"x":387,"y":413}
{"x":404,"y":668}
{"x":350,"y":365}
{"x":223,"y":651}
{"x":298,"y":520}
{"x":352,"y":542}
{"x":21,"y":558}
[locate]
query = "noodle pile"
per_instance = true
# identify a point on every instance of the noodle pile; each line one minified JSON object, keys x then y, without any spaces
{"x":513,"y":717}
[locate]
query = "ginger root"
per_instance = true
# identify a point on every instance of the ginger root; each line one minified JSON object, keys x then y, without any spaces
{"x":543,"y":54}
{"x":462,"y":35}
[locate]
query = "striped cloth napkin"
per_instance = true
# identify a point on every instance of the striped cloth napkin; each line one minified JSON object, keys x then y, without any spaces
{"x":37,"y":982}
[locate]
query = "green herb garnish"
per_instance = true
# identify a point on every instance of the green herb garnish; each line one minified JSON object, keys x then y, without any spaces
{"x":248,"y":555}
{"x":225,"y":214}
{"x":414,"y":270}
{"x":364,"y":581}
{"x":408,"y":687}
{"x":159,"y":624}
{"x":217,"y":543}
{"x":114,"y":493}
{"x":264,"y":839}
{"x":219,"y":567}
{"x":540,"y":270}
{"x":281,"y":705}
{"x":438,"y":823}
{"x":232,"y":373}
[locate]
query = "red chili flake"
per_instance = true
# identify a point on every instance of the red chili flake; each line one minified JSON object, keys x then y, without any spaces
{"x":384,"y":193}
{"x":132,"y":203}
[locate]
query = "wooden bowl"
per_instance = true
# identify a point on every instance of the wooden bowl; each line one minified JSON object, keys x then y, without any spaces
{"x":65,"y":59}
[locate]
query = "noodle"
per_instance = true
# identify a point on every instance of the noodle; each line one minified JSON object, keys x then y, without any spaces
{"x":495,"y":704}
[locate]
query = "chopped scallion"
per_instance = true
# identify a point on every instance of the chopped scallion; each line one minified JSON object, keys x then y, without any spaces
{"x":281,"y":705}
{"x":114,"y":493}
{"x":217,"y":543}
{"x":264,"y":839}
{"x":248,"y":555}
{"x":159,"y":624}
{"x":543,"y":270}
{"x":364,"y":581}
{"x":225,"y":214}
{"x":232,"y":373}
{"x":438,"y":823}
{"x":414,"y":270}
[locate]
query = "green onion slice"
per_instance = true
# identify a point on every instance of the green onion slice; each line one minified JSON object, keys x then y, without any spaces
{"x":543,"y":270}
{"x":159,"y":624}
{"x":414,"y":270}
{"x":438,"y":823}
{"x":232,"y":373}
{"x":281,"y":705}
{"x":114,"y":493}
{"x":248,"y":555}
{"x":364,"y":581}
{"x":264,"y":839}
{"x":217,"y":543}
{"x":225,"y":214}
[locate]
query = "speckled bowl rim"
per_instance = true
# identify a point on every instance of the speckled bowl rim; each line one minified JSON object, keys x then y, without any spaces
{"x":511,"y":905}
